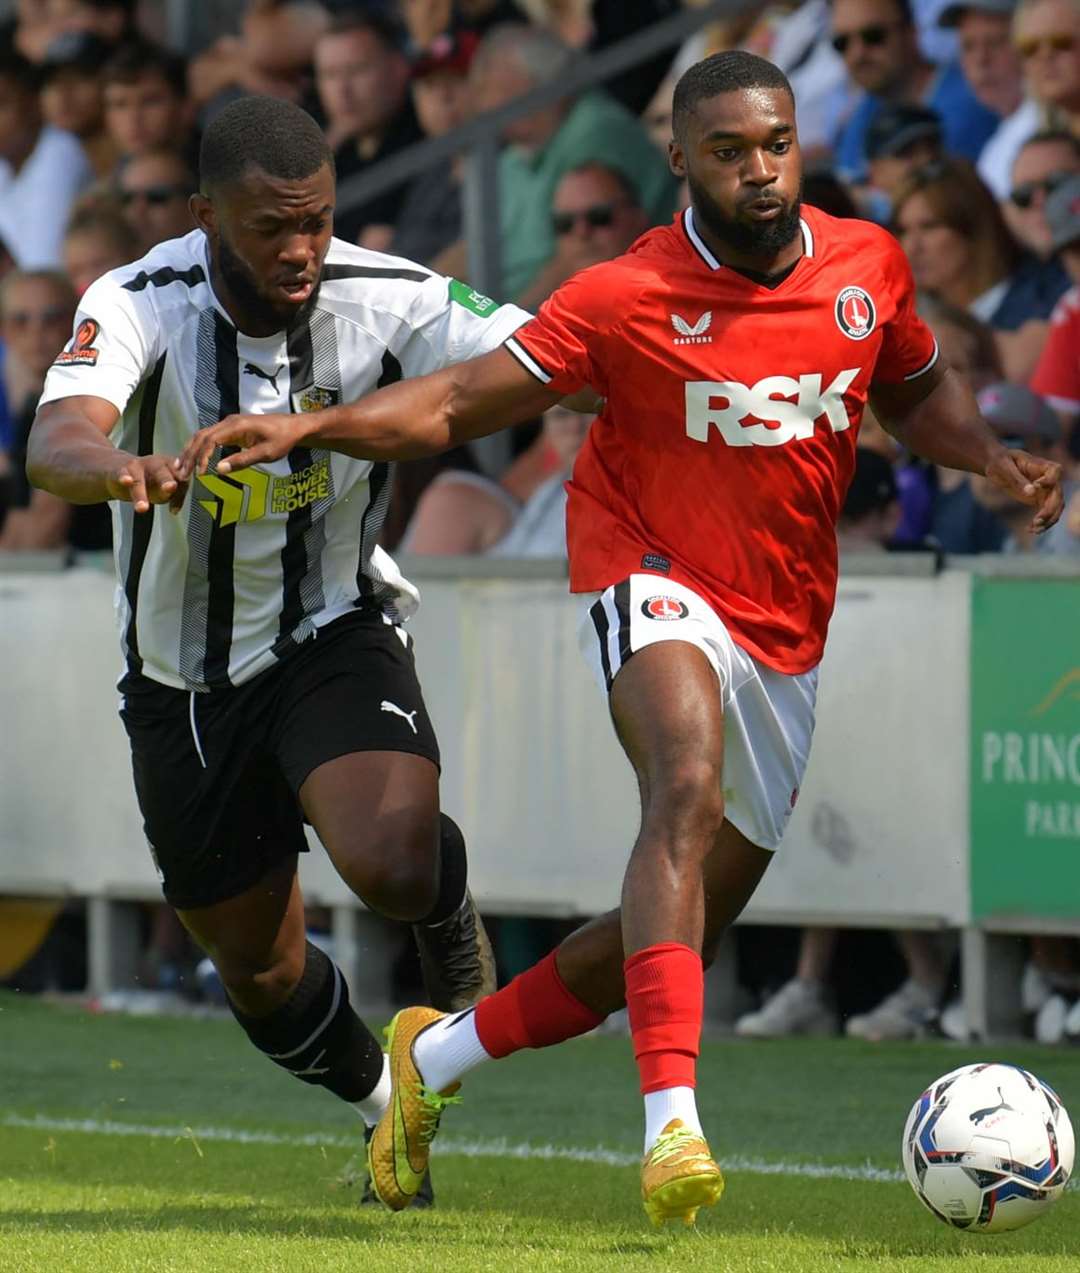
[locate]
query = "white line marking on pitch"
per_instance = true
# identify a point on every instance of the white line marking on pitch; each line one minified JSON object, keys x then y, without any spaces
{"x":445,"y":1145}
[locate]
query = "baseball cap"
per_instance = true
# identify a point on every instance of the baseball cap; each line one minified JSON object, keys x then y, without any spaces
{"x":1014,"y":412}
{"x":873,"y":485}
{"x":894,"y":128}
{"x":950,"y":16}
{"x":1062,"y":213}
{"x":76,"y":50}
{"x":451,"y":51}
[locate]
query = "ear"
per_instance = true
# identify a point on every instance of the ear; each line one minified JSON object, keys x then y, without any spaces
{"x":202,"y":209}
{"x":676,"y":159}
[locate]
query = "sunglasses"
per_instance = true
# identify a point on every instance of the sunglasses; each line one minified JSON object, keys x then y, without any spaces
{"x":873,"y":36}
{"x":1062,"y":43}
{"x":1024,"y":194}
{"x":23,"y":318}
{"x":153,"y":195}
{"x":598,"y":217}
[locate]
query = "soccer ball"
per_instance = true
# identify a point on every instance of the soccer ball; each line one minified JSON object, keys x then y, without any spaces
{"x":988,"y":1147}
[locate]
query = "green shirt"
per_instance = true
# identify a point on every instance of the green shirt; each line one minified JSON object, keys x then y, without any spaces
{"x":597,"y":130}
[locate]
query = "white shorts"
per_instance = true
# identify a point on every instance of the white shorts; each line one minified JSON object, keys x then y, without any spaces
{"x":768,"y":715}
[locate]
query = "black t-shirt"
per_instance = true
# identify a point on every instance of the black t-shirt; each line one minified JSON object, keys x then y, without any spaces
{"x":383,"y":209}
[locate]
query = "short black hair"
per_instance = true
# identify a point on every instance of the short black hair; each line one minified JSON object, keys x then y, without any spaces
{"x":725,"y":72}
{"x":903,"y":9}
{"x":1053,"y":137}
{"x":138,"y":58}
{"x":385,"y":28}
{"x":266,"y":132}
{"x":20,"y":71}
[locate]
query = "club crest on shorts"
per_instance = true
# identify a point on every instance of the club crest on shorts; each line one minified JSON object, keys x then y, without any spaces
{"x":664,"y":608}
{"x":855,"y":313}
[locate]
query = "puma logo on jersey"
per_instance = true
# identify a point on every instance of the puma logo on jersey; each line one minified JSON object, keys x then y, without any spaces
{"x":251,"y":370}
{"x":773,"y":419}
{"x":386,"y":706}
{"x":692,"y":333}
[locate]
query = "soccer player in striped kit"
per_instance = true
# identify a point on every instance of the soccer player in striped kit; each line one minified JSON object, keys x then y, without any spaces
{"x":269,"y":680}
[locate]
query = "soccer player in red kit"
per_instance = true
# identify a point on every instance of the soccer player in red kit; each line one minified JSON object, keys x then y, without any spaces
{"x":735,"y":351}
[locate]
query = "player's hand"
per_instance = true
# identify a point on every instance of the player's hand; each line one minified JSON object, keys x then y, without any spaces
{"x":143,"y":480}
{"x":261,"y":439}
{"x":1029,"y":480}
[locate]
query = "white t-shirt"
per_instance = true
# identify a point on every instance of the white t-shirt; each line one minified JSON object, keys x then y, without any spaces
{"x":259,"y":560}
{"x":997,"y":157}
{"x":36,"y":200}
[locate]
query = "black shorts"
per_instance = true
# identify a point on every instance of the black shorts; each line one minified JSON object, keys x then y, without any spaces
{"x":218,"y":774}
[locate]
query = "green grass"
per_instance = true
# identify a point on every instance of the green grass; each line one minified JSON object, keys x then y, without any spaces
{"x":73,"y":1200}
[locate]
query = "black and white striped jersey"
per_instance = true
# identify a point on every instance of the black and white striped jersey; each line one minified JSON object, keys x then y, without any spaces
{"x":260,"y":559}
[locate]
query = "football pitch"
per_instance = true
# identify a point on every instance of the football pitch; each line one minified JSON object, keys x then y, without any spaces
{"x":168,"y":1144}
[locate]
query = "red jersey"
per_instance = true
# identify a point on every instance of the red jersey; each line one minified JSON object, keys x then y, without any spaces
{"x":1057,"y":374}
{"x":727,"y":440}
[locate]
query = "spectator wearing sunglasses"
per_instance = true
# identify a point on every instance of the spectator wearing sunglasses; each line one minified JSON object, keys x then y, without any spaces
{"x":994,"y":73}
{"x":541,"y":148}
{"x":961,"y":251}
{"x":1044,"y":163}
{"x":879,"y":43}
{"x":595,"y":216}
{"x":153,"y":191}
{"x":36,"y":312}
{"x":1046,"y":34}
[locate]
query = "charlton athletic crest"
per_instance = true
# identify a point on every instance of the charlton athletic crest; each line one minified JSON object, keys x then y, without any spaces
{"x":664,"y":608}
{"x":855,"y":314}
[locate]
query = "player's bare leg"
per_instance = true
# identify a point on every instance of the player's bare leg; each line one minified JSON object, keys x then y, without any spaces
{"x":288,"y":996}
{"x":377,"y":813}
{"x":670,"y":723}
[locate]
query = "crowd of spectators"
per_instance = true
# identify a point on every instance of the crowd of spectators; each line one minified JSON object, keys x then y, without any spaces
{"x":954,"y":124}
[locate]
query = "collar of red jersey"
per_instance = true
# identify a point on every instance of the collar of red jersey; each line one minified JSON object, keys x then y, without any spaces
{"x":702,"y":250}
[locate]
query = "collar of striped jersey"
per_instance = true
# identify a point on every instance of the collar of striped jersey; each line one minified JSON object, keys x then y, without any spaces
{"x":710,"y":260}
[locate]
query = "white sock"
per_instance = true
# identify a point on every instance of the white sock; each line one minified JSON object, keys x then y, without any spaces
{"x":448,"y":1049}
{"x":661,"y":1107}
{"x":373,"y":1106}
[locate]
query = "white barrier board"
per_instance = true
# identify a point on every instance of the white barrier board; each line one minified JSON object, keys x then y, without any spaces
{"x":531,"y":767}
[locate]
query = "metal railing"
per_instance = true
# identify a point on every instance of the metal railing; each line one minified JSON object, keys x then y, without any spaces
{"x":480,"y":137}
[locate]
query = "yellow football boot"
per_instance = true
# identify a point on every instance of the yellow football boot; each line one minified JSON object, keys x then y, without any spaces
{"x":678,"y":1175}
{"x":398,"y":1149}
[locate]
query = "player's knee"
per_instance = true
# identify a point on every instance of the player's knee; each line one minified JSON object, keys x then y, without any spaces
{"x":689,"y":800}
{"x":259,"y":987}
{"x":398,"y":878}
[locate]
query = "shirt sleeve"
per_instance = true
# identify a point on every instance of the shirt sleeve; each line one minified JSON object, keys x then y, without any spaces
{"x":566,"y":344}
{"x":449,"y":322}
{"x":110,"y":352}
{"x":909,"y":348}
{"x":1057,"y":373}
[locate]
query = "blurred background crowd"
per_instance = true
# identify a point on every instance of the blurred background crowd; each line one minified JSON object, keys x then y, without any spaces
{"x":955,"y":125}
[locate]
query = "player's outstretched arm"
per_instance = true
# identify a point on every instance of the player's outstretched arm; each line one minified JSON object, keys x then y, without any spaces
{"x":69,"y":454}
{"x":937,"y":417}
{"x":404,"y":421}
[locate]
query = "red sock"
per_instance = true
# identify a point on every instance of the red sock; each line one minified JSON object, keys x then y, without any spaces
{"x":665,"y":993}
{"x":534,"y":1011}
